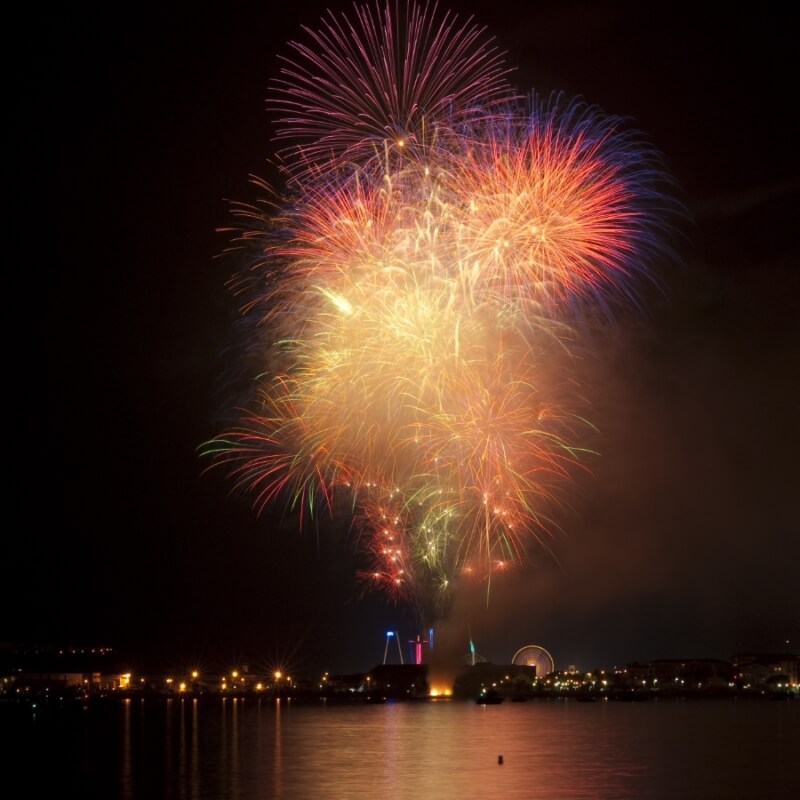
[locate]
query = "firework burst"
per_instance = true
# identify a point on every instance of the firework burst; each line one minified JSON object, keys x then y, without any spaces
{"x":416,"y":292}
{"x":384,"y":84}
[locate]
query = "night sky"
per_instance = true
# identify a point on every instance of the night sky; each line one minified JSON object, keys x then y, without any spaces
{"x":129,"y":135}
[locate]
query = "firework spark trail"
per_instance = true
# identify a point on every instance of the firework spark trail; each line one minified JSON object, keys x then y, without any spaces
{"x":384,"y":82}
{"x":420,"y":290}
{"x":562,"y":203}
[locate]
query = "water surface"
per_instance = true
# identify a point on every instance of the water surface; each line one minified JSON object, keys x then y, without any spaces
{"x":252,"y":749}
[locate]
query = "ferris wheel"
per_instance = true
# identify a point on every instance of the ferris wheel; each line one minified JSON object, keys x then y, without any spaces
{"x":534,"y":656}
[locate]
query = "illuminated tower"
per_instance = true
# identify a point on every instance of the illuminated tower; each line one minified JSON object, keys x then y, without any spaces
{"x":392,"y":635}
{"x":417,"y":648}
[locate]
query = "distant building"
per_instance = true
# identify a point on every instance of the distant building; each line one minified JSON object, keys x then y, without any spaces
{"x":399,"y":680}
{"x":72,"y":682}
{"x":759,"y":669}
{"x":682,"y":674}
{"x":507,"y":679}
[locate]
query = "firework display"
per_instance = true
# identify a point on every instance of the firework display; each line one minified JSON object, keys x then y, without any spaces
{"x":414,"y":295}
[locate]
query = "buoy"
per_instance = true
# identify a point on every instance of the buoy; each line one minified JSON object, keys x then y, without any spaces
{"x":499,"y":759}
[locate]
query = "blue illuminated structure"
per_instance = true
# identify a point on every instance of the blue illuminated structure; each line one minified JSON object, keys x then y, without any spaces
{"x":392,"y":635}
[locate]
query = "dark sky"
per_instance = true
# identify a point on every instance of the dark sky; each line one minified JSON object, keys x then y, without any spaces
{"x":129,"y":135}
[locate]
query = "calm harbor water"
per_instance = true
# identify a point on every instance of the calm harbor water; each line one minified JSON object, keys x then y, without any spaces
{"x":263,"y":750}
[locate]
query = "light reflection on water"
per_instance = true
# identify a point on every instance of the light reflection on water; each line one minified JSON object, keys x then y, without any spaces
{"x":263,"y":750}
